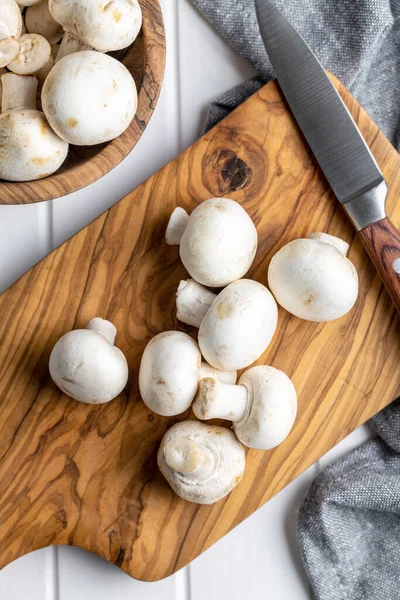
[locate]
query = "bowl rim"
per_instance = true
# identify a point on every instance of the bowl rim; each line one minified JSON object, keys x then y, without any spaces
{"x":83,"y":174}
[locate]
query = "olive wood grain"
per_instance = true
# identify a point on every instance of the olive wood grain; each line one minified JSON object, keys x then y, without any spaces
{"x":145,"y":60}
{"x":87,"y":475}
{"x":382,"y":242}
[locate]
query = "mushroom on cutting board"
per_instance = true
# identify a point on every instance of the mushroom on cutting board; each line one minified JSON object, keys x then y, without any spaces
{"x":217,"y":242}
{"x":202,"y":463}
{"x":34,"y":53}
{"x":236,"y":326}
{"x":87,"y":366}
{"x":89,"y":98}
{"x":39,"y":20}
{"x":29,"y":148}
{"x":312,"y":278}
{"x":262,"y":406}
{"x":170,"y":371}
{"x":102,"y":25}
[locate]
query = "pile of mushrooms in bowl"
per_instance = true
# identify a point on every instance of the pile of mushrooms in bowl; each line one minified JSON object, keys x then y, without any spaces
{"x":64,"y":94}
{"x":236,"y":318}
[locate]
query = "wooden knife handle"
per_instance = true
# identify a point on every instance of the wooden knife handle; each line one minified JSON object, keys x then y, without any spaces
{"x":382,"y":242}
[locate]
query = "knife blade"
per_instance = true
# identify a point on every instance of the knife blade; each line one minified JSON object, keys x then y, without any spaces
{"x":335,"y":141}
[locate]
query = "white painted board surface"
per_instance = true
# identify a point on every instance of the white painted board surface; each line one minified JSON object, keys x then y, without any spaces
{"x":260,"y":559}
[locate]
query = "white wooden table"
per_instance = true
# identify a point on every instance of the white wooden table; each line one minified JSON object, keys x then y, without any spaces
{"x":260,"y":559}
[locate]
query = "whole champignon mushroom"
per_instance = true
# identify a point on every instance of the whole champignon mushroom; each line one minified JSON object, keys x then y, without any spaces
{"x":236,"y":326}
{"x":102,"y":25}
{"x":312,"y":278}
{"x":89,"y":98}
{"x":87,"y":366}
{"x":217,"y":242}
{"x":170,"y":371}
{"x":262,"y":406}
{"x":202,"y":463}
{"x":39,"y":20}
{"x":34,"y":53}
{"x":29,"y":148}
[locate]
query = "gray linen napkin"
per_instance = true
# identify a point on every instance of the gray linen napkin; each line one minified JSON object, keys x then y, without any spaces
{"x":349,"y":523}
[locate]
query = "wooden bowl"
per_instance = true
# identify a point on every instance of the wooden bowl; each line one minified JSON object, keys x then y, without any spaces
{"x":145,"y":60}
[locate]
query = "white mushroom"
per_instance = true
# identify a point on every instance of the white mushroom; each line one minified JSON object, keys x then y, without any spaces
{"x":236,"y":326}
{"x":170,"y":371}
{"x":202,"y":463}
{"x":29,"y":148}
{"x":34,"y":53}
{"x":217,"y":243}
{"x":104,"y":25}
{"x":262,"y":406}
{"x":87,"y":366}
{"x":313,"y":279}
{"x":10,"y":20}
{"x":89,"y":98}
{"x":39,"y":20}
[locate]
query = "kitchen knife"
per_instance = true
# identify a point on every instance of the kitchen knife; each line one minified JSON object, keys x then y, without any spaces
{"x":335,"y":140}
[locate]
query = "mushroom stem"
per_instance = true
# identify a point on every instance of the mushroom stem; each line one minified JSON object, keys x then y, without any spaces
{"x":184,"y":455}
{"x":69,"y":45}
{"x":217,"y":400}
{"x":207,"y":370}
{"x":18,"y":91}
{"x":176,"y":226}
{"x":332,"y":240}
{"x":104,"y":328}
{"x":192,"y":302}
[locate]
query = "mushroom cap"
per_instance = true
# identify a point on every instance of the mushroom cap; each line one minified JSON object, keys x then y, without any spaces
{"x":169,"y":373}
{"x":219,"y":243}
{"x":89,"y":98}
{"x":238,"y":326}
{"x":272,"y":408}
{"x":102,"y":24}
{"x":34,"y":53}
{"x":29,"y":148}
{"x":10,"y":19}
{"x":85,"y":366}
{"x":229,"y":457}
{"x":313,"y":280}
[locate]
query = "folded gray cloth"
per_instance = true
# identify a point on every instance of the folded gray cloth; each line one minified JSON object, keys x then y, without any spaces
{"x":349,"y":523}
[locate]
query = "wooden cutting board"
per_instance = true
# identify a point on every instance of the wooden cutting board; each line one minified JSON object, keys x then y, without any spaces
{"x":87,"y":475}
